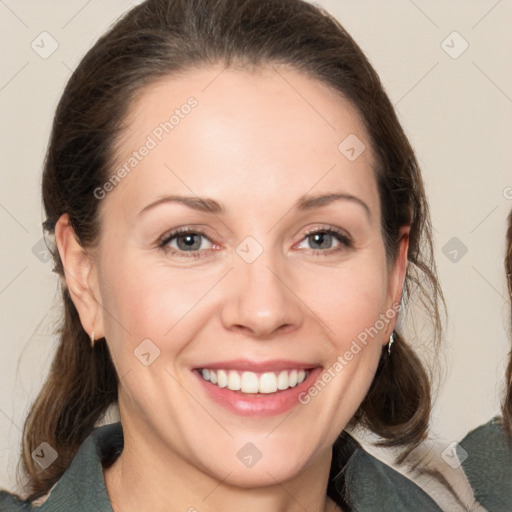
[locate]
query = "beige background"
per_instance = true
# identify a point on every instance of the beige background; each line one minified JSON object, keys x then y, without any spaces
{"x":456,"y":111}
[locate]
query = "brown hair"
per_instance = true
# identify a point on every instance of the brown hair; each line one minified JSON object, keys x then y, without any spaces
{"x":507,"y":403}
{"x":160,"y":38}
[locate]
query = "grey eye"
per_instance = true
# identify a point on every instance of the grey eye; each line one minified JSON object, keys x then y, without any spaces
{"x":320,"y":240}
{"x":189,"y":241}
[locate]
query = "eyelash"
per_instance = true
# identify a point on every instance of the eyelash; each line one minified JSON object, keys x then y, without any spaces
{"x":344,"y":240}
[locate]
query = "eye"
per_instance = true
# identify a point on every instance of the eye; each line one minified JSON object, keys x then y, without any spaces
{"x":325,"y":241}
{"x":190,"y":243}
{"x":185,"y":241}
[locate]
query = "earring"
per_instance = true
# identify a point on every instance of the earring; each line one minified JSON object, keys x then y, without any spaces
{"x":391,"y":341}
{"x":92,"y":339}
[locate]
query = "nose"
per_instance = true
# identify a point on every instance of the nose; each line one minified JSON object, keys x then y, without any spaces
{"x":261,"y":301}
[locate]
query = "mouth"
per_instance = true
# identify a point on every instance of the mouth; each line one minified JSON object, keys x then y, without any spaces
{"x":251,"y":382}
{"x":257,"y":389}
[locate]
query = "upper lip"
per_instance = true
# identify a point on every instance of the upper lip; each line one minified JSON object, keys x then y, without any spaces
{"x":258,"y":366}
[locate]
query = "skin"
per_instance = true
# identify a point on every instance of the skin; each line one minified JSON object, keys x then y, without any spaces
{"x":255,"y":146}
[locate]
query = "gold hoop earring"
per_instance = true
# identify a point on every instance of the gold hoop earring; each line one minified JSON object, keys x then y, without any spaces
{"x":391,"y":341}
{"x":92,"y":339}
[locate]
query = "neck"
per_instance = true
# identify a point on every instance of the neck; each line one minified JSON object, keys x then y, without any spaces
{"x":148,"y":476}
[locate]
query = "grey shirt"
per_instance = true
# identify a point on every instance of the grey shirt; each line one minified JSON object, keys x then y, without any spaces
{"x":486,"y":453}
{"x":371,"y":485}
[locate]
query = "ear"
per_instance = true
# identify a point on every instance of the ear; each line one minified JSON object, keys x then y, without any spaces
{"x":81,"y":275}
{"x":397,"y":276}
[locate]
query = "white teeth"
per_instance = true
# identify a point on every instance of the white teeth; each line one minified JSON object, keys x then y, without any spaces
{"x":222,"y":378}
{"x":251,"y":382}
{"x":233,"y":380}
{"x":268,"y":383}
{"x":283,"y":381}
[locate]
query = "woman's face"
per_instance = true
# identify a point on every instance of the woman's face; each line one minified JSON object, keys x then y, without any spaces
{"x":280,"y":274}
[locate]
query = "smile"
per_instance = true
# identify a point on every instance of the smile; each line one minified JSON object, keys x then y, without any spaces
{"x":251,"y":382}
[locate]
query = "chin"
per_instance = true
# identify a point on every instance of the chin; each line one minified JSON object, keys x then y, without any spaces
{"x":249,"y":466}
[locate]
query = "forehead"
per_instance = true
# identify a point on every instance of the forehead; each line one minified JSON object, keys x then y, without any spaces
{"x":268,"y":132}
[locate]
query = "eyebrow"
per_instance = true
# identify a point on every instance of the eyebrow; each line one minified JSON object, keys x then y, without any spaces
{"x":310,"y":202}
{"x":304,"y":203}
{"x":196,"y":203}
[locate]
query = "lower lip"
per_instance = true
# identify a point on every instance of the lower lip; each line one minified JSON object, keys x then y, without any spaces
{"x":258,"y":404}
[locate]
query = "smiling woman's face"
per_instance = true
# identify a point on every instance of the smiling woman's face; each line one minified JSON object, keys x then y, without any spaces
{"x":266,"y":286}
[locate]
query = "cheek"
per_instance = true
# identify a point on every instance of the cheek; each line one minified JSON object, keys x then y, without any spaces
{"x":147,"y":300}
{"x":349,"y":299}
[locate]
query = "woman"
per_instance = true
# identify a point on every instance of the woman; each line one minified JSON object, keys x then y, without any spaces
{"x":487,"y":455}
{"x":238,"y":216}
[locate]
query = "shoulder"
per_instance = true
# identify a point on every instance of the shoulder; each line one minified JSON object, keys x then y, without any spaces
{"x":10,"y":503}
{"x":82,"y":487}
{"x":377,"y":486}
{"x":423,"y":477}
{"x":486,"y":456}
{"x":490,"y":436}
{"x":372,"y":485}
